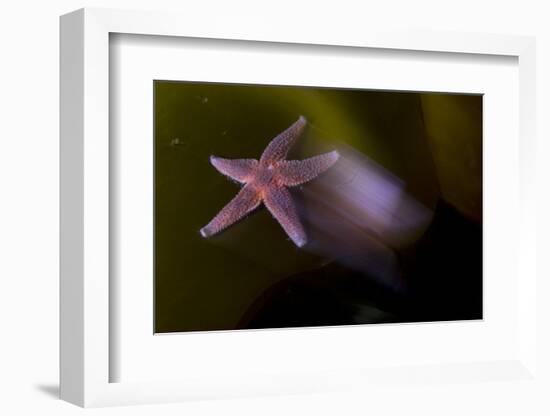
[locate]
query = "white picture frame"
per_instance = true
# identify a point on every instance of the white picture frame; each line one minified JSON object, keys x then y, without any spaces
{"x":85,"y":211}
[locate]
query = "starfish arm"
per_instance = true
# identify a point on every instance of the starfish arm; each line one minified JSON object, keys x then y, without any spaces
{"x":278,"y":148}
{"x":279,"y":202}
{"x":239,"y":169}
{"x":245,"y":201}
{"x":297,"y":172}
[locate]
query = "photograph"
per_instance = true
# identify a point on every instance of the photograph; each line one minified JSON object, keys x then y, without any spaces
{"x":299,"y":206}
{"x":270,"y":208}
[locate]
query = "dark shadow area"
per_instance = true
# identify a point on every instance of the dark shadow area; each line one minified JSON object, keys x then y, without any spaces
{"x":51,"y":390}
{"x":441,"y":282}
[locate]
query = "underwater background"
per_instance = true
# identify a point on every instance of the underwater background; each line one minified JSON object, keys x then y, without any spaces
{"x":395,"y":231}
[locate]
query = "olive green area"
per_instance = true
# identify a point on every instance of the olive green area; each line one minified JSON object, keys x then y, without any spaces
{"x":209,"y":284}
{"x":453,"y":124}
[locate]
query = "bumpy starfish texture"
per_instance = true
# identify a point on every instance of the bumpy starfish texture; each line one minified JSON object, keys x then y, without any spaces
{"x":267,"y":181}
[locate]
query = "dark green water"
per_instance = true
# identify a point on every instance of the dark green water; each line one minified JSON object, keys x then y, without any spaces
{"x":431,"y":141}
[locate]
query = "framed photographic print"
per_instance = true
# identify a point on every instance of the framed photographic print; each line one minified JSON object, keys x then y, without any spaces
{"x":281,"y":212}
{"x":342,"y":220}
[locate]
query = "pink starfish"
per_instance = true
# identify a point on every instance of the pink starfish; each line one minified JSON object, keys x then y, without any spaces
{"x":266,"y":181}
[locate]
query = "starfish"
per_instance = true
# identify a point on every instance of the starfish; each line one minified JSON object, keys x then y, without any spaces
{"x":266,"y":180}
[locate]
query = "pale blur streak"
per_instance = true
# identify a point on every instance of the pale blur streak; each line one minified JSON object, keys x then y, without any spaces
{"x":358,"y":212}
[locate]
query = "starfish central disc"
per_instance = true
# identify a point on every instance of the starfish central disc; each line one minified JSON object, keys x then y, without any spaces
{"x":266,"y":181}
